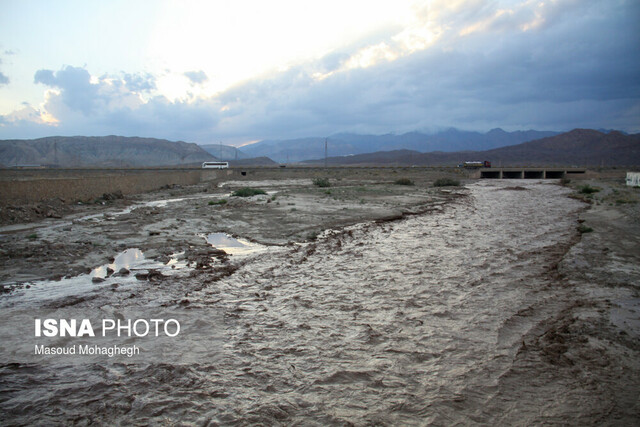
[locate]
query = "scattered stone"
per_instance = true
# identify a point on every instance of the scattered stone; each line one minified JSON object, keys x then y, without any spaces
{"x":110,"y":271}
{"x":113,"y":196}
{"x":97,"y":279}
{"x":151,"y":276}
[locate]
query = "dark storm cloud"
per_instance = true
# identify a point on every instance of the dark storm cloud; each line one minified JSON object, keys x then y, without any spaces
{"x":565,"y":65}
{"x":196,"y":77}
{"x":563,"y":73}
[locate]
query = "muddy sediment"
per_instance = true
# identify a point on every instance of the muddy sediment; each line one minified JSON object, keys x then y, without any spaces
{"x":362,"y":303}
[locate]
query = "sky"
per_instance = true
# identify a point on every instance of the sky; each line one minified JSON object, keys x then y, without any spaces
{"x":241,"y":71}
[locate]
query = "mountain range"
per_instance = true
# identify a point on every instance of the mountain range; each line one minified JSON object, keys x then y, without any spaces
{"x":103,"y":151}
{"x":224,"y":152}
{"x":343,"y":144}
{"x":579,"y":147}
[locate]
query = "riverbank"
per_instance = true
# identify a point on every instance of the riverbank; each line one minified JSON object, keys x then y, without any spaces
{"x":482,"y":304}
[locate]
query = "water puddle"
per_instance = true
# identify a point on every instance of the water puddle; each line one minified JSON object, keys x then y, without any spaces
{"x":57,"y":223}
{"x":151,"y":204}
{"x":127,"y":259}
{"x":232,"y":245}
{"x":267,"y":183}
{"x":133,"y":260}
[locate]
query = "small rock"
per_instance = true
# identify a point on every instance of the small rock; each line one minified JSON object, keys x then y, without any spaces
{"x":110,"y":271}
{"x":123,"y":272}
{"x":97,"y":279}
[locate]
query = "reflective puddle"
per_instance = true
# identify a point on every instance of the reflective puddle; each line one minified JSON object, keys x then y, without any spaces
{"x":126,"y":259}
{"x":232,"y":245}
{"x":132,"y":259}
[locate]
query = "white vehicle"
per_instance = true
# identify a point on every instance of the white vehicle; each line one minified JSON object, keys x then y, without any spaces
{"x":215,"y":165}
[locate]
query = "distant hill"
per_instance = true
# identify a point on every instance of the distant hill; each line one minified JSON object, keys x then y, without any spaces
{"x":224,"y":152}
{"x":102,"y":151}
{"x":579,"y":147}
{"x":254,"y":161}
{"x":451,"y":140}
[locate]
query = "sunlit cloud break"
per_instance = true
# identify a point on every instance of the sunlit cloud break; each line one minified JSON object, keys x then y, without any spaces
{"x":418,"y":65}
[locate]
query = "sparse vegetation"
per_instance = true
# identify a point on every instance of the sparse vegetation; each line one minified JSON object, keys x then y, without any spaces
{"x":446,"y":182}
{"x":32,"y":236}
{"x":625,"y":201}
{"x":584,"y":229}
{"x":248,"y":192}
{"x":321,"y":182}
{"x":217,"y":202}
{"x":587,"y":189}
{"x":565,"y":181}
{"x":404,"y":181}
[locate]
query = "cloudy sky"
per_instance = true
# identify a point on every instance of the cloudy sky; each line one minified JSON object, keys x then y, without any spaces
{"x":239,"y":71}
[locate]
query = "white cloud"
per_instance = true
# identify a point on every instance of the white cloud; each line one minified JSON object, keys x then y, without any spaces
{"x":196,"y":77}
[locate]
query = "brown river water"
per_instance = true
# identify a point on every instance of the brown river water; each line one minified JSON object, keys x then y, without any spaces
{"x":414,"y":321}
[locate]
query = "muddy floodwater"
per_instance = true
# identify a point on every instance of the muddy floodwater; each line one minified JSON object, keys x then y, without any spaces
{"x":465,"y":313}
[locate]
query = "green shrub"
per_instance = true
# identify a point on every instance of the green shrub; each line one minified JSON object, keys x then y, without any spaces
{"x":32,"y":236}
{"x":584,"y":229}
{"x":321,"y":182}
{"x":587,"y":189}
{"x":248,"y":192}
{"x":218,"y":202}
{"x":446,"y":182}
{"x":404,"y":181}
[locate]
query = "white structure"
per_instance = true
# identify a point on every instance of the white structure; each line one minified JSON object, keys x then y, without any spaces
{"x":215,"y":165}
{"x":633,"y":179}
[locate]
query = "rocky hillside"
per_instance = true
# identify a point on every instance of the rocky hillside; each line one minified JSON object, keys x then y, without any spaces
{"x":102,"y":151}
{"x":224,"y":152}
{"x":451,"y":140}
{"x":579,"y":147}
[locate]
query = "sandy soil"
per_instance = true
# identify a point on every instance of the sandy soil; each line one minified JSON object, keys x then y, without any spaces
{"x":502,"y":303}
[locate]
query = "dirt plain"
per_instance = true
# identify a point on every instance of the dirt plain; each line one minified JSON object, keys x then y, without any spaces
{"x":54,"y":238}
{"x":576,"y":362}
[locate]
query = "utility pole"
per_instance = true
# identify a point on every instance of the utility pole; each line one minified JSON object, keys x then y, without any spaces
{"x":325,"y":153}
{"x":220,"y":150}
